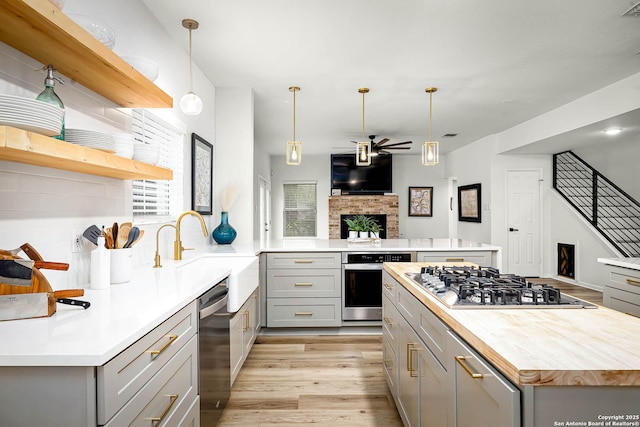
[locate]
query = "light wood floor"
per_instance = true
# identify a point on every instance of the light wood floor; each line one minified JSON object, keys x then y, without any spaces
{"x":334,"y":380}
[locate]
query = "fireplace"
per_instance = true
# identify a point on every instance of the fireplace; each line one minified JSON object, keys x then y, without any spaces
{"x":566,"y":260}
{"x":369,"y":205}
{"x":381,"y":219}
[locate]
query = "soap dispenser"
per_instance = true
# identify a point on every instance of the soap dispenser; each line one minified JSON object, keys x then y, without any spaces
{"x":100,"y":266}
{"x":49,"y":96}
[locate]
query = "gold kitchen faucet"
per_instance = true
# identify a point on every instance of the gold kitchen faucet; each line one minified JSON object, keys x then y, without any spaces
{"x":177,"y":244}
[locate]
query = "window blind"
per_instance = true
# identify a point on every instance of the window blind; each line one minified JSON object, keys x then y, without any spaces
{"x":300,"y":210}
{"x":155,"y":198}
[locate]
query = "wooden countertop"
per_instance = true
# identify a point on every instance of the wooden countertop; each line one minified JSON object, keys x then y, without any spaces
{"x":541,"y":347}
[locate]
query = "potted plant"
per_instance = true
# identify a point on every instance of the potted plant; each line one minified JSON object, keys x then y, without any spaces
{"x":365,"y":226}
{"x":375,"y":229}
{"x":354,"y":227}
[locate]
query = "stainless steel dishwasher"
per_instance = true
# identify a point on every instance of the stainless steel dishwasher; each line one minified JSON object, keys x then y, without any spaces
{"x":213,"y":353}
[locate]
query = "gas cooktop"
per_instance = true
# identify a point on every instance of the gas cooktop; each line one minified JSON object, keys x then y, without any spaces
{"x":486,"y":287}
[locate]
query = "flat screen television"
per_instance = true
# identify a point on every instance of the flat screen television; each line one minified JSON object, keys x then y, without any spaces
{"x":372,"y":179}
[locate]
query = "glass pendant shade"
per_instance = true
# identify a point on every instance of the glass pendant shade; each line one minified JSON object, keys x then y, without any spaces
{"x":191,"y":104}
{"x":294,"y":148}
{"x":430,"y":151}
{"x":430,"y":155}
{"x":363,"y":153}
{"x":294,"y":152}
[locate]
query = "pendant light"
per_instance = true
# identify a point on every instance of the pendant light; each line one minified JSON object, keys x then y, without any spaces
{"x":430,"y":155}
{"x":190,"y":104}
{"x":363,"y":148}
{"x":294,"y":148}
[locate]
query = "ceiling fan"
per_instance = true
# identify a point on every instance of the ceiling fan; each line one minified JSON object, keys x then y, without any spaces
{"x":381,"y":146}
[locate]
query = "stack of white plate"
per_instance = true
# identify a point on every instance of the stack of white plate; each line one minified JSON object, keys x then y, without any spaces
{"x":91,"y":139}
{"x":124,"y":144}
{"x":31,"y":115}
{"x":146,"y":153}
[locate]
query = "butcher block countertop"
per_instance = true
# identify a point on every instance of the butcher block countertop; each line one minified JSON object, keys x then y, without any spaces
{"x":544,"y":347}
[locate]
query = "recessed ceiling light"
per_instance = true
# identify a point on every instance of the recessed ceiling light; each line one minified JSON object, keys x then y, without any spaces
{"x":613,"y":131}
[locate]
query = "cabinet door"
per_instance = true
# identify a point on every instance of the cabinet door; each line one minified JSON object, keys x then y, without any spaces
{"x":482,"y":396}
{"x":408,"y":375}
{"x":236,"y":343}
{"x":435,"y":396}
{"x":249,"y":329}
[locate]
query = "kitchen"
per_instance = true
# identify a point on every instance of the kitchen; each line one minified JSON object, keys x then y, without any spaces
{"x":50,"y":198}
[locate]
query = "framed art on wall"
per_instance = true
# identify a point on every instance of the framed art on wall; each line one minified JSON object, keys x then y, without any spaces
{"x":469,"y":203}
{"x":201,"y":175}
{"x":420,"y":201}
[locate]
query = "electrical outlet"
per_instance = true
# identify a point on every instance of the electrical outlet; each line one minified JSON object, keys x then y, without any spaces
{"x":76,"y":241}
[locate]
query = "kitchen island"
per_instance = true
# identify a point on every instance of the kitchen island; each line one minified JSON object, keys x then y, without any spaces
{"x":543,"y":367}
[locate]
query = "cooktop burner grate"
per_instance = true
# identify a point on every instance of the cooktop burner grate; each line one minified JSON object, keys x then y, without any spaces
{"x":486,"y":287}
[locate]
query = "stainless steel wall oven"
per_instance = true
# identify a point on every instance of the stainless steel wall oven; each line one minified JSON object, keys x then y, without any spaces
{"x":362,"y":282}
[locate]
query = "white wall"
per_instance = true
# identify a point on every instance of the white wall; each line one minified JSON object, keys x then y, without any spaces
{"x":472,"y":165}
{"x":316,"y":168}
{"x":408,"y":171}
{"x":234,"y":156}
{"x":261,"y":168}
{"x":44,"y":206}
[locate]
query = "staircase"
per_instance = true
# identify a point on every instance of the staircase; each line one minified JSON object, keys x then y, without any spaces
{"x":613,"y":213}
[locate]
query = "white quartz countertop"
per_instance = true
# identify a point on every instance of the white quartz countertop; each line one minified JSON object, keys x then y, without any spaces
{"x":118,"y":316}
{"x":343,"y":245}
{"x":633,"y":263}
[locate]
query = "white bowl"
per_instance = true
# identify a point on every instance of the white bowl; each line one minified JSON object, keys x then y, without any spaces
{"x":97,"y":29}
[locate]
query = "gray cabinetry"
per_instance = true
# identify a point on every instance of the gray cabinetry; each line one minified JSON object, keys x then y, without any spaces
{"x":483,"y":258}
{"x":622,"y":293}
{"x":482,"y":397}
{"x":304,"y":289}
{"x":154,"y":378}
{"x":244,"y":326}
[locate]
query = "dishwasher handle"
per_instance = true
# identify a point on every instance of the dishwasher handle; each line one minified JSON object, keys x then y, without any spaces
{"x":212,"y":308}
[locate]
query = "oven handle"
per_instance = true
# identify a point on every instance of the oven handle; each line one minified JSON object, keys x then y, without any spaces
{"x":216,"y":306}
{"x":372,"y":266}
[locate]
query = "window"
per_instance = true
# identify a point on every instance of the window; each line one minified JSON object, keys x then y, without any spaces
{"x":155,"y":199}
{"x":300,"y":209}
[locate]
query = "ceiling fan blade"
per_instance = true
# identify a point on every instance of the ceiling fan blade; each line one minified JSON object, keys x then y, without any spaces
{"x":381,"y":142}
{"x":397,"y":144}
{"x":396,"y":148}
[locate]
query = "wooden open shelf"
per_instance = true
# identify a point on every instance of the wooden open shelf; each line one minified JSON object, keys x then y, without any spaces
{"x":17,"y":145}
{"x":42,"y":31}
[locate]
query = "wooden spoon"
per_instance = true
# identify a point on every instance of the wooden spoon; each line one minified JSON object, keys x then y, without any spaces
{"x":123,"y":236}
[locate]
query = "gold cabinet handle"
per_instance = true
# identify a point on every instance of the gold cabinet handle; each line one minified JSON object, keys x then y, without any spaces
{"x":633,"y":282}
{"x":455,"y":259}
{"x":304,"y":313}
{"x":303,"y":261}
{"x":387,"y":321}
{"x":388,"y":286}
{"x":247,"y":319}
{"x":462,"y":361}
{"x":172,"y":338}
{"x":157,"y":420}
{"x":303,"y":284}
{"x":410,"y":368}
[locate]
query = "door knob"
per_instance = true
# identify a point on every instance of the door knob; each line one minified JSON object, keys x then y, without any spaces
{"x":513,"y":229}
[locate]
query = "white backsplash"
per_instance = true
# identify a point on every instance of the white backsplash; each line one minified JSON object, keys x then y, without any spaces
{"x":45,"y":207}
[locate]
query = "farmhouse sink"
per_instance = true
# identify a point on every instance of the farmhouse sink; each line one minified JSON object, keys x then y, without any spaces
{"x":243,"y":279}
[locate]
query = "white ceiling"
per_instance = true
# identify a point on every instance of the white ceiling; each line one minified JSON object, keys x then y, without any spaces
{"x":496,"y":63}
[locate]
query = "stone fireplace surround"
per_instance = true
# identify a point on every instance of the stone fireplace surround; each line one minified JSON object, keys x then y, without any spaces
{"x":367,"y":205}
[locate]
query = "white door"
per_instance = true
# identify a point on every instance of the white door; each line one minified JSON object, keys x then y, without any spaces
{"x":523,"y":222}
{"x":265,"y":210}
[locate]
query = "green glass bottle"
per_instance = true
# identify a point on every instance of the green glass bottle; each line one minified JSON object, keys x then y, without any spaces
{"x":49,"y":96}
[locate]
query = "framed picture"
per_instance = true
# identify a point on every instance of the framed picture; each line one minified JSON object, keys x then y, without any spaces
{"x":201,"y":175}
{"x":469,"y":203}
{"x":420,"y":201}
